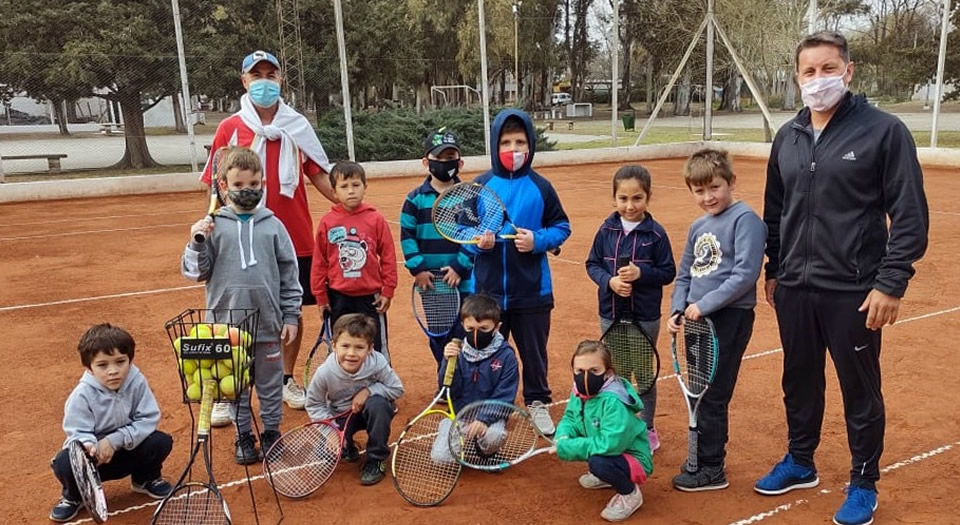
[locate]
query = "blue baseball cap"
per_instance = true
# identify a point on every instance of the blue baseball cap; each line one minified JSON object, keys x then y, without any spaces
{"x":256,"y":57}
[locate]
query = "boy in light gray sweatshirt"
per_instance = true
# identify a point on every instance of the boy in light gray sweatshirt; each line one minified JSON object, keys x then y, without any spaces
{"x":247,"y":261}
{"x":113,"y":414}
{"x":717,"y":278}
{"x":358,"y":380}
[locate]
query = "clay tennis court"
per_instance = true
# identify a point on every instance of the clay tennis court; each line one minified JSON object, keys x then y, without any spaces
{"x":68,"y":264}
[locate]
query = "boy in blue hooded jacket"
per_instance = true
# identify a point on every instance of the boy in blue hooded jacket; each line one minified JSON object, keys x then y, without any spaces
{"x":515,"y":272}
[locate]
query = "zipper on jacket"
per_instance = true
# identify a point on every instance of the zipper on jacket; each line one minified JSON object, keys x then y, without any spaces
{"x":809,"y":218}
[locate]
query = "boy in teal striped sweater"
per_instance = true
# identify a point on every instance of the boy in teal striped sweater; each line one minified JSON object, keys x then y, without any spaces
{"x":423,"y":248}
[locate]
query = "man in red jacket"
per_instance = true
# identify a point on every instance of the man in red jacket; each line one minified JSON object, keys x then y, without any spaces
{"x":290,"y":154}
{"x":354,"y":262}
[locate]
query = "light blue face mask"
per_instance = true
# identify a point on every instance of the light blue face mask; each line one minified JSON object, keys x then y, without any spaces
{"x":264,"y":92}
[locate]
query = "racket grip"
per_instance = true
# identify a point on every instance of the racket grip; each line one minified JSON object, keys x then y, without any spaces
{"x":206,"y":407}
{"x":451,"y":368}
{"x":201,"y":236}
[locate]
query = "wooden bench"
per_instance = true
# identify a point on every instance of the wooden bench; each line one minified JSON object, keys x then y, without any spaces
{"x":109,"y":128}
{"x":53,"y":159}
{"x":550,"y":124}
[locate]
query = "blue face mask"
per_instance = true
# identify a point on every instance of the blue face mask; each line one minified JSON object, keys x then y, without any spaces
{"x":264,"y":92}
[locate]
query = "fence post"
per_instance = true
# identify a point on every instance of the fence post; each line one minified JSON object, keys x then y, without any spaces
{"x":344,"y":78}
{"x":483,"y":74}
{"x":187,"y":105}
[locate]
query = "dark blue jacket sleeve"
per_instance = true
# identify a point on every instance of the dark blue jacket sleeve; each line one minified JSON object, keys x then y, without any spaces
{"x":556,"y":225}
{"x":596,"y":268}
{"x":663,"y":269}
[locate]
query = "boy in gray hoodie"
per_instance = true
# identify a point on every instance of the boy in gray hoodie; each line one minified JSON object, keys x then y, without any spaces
{"x":354,"y":378}
{"x":717,"y":278}
{"x":113,"y":413}
{"x":247,"y":261}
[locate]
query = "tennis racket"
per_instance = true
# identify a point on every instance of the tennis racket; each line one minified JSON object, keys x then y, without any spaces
{"x":437,"y":309}
{"x":215,"y":200}
{"x":88,"y":481}
{"x":695,"y":351}
{"x":194,"y":502}
{"x":635,"y":356}
{"x":464,"y":212}
{"x":323,"y":337}
{"x":304,"y":458}
{"x":423,"y":472}
{"x":492,"y":435}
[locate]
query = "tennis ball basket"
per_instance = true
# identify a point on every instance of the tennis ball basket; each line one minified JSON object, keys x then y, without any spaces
{"x":214,"y":344}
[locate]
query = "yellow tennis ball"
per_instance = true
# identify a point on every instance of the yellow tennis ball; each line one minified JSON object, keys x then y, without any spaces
{"x":220,"y":330}
{"x":202,"y":374}
{"x":228,"y":387}
{"x":207,"y":363}
{"x":193,"y":392}
{"x":221,"y":370}
{"x":226,"y":362}
{"x":239,"y":356}
{"x":202,"y":331}
{"x":189,"y":366}
{"x":176,"y":345}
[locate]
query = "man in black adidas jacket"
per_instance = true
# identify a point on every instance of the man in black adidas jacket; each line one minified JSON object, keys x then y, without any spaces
{"x":836,"y":273}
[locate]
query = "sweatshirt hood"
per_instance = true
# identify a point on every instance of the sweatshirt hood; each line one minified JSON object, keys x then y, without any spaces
{"x":260,"y":213}
{"x":339,"y":211}
{"x":497,"y":129}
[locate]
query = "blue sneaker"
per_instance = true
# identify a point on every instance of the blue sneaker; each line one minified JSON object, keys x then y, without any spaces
{"x":786,"y":476}
{"x":858,"y":508}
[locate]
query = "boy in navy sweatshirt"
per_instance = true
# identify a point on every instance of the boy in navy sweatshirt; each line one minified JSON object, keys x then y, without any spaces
{"x":718,"y":278}
{"x":113,"y":414}
{"x":516,"y":272}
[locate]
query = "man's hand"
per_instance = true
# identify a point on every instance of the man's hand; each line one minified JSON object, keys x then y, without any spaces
{"x":768,"y":288}
{"x":487,"y":241}
{"x":382,"y":304}
{"x":104,"y":451}
{"x":619,"y":287}
{"x":881,"y":309}
{"x":288,"y":333}
{"x":629,"y":273}
{"x":451,"y":277}
{"x":524,"y":241}
{"x":692,"y":312}
{"x":674,"y":324}
{"x":424,"y":280}
{"x":359,"y":399}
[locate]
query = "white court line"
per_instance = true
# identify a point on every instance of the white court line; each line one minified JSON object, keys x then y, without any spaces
{"x":757,"y":517}
{"x":889,"y":468}
{"x":87,"y":232}
{"x":99,"y":297}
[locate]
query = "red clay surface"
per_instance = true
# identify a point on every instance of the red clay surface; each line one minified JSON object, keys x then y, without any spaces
{"x":81,"y":249}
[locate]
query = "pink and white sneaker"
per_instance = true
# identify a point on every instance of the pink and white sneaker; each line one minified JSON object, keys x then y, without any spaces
{"x":654,"y":439}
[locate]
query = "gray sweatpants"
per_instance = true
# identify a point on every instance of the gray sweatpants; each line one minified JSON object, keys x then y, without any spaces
{"x":652,"y":328}
{"x":268,"y":379}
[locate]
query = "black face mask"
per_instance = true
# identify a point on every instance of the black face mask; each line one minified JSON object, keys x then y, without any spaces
{"x":588,"y":385}
{"x":443,"y":170}
{"x":480,"y":339}
{"x":245,"y":199}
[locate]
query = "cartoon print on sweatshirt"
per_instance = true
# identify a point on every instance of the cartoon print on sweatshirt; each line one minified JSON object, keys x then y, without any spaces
{"x":352,"y":250}
{"x":708,"y":255}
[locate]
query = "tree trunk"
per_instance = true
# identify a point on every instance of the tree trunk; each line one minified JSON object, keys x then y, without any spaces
{"x":503,"y":86}
{"x":682,"y":106}
{"x":624,"y":99}
{"x":136,"y":153}
{"x":72,"y":111}
{"x":731,"y":92}
{"x":790,"y":96}
{"x":61,"y":116}
{"x":648,"y":71}
{"x":178,"y":114}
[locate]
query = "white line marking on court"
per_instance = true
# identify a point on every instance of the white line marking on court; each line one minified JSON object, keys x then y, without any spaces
{"x":99,"y":297}
{"x":86,"y":232}
{"x":102,"y":217}
{"x":889,"y":468}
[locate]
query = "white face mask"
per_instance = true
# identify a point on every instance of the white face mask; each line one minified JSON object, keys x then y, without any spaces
{"x":821,"y":94}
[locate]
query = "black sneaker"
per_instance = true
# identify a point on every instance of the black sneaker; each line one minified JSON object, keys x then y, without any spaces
{"x":349,"y":453}
{"x":372,"y":472}
{"x":156,"y":489}
{"x":245,"y":451}
{"x":705,"y":478}
{"x":64,"y":510}
{"x":267,"y":439}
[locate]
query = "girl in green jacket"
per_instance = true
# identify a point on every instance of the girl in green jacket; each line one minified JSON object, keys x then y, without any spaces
{"x":601,"y":426}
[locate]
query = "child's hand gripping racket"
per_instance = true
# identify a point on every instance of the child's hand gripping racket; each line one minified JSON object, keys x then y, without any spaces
{"x":195,"y":502}
{"x":202,"y":231}
{"x":436,"y":308}
{"x":634,"y":354}
{"x":492,"y":435}
{"x":695,"y":352}
{"x":88,"y":481}
{"x":304,"y":458}
{"x":420,"y":475}
{"x":323,"y":338}
{"x":468,"y":210}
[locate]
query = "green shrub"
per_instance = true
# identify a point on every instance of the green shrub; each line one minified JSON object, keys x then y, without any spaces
{"x":399,"y":133}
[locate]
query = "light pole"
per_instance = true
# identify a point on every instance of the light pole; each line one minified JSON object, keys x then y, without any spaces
{"x":516,"y":48}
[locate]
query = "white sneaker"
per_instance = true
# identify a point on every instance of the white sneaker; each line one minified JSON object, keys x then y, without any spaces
{"x":222,"y":414}
{"x":541,"y":417}
{"x":589,"y":481}
{"x":293,"y":395}
{"x":621,"y":507}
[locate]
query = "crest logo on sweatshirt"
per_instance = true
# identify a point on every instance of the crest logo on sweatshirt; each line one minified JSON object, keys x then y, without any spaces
{"x":353,"y":255}
{"x":706,"y":255}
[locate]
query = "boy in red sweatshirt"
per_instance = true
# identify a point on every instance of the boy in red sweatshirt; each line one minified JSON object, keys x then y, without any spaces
{"x":354,"y":261}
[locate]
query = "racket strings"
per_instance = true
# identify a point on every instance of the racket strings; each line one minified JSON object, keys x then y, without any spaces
{"x":88,"y":480}
{"x":634,"y":357}
{"x":421,"y":474}
{"x":508,"y":436}
{"x":696,"y":355}
{"x":467,"y":211}
{"x":437,"y":308}
{"x":194,"y":504}
{"x":303,"y":459}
